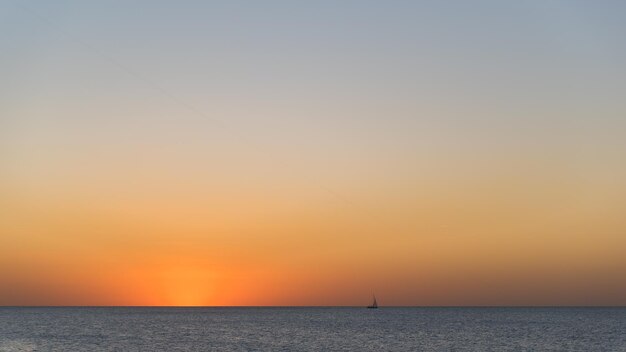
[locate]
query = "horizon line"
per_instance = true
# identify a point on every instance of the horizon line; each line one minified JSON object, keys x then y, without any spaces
{"x":312,"y":306}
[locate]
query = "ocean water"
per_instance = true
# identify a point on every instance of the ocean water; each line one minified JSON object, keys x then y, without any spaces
{"x":312,"y":329}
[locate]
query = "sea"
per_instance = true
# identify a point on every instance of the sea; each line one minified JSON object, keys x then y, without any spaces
{"x":311,"y":329}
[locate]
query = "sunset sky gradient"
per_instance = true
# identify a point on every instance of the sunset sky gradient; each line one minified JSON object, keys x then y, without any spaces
{"x":312,"y":153}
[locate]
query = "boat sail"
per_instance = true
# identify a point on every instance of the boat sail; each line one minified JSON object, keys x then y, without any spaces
{"x":374,"y":304}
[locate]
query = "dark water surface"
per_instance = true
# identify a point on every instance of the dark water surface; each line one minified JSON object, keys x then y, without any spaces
{"x":312,"y":329}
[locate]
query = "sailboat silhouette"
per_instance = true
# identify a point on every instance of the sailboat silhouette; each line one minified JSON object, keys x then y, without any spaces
{"x":374,"y":304}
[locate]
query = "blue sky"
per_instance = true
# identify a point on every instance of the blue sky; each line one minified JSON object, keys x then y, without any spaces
{"x":500,"y":123}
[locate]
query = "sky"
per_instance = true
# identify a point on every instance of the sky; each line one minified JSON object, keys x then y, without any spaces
{"x":312,"y":153}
